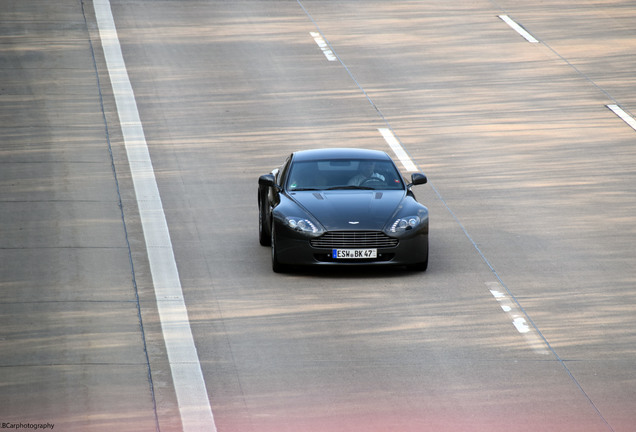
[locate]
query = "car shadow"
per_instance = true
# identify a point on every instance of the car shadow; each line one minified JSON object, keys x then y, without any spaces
{"x":351,"y":271}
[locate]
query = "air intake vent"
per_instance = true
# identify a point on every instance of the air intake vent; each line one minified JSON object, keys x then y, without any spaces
{"x":354,"y":239}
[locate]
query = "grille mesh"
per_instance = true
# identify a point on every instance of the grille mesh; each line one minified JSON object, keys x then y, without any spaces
{"x":354,"y":239}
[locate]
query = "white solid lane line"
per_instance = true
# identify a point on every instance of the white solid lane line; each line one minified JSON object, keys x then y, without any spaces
{"x":397,"y":148}
{"x":623,"y":115}
{"x":192,"y":396}
{"x":516,"y":27}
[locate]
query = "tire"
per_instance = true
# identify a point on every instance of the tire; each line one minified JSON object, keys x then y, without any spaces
{"x":420,"y":266}
{"x":264,"y":237}
{"x":277,"y":267}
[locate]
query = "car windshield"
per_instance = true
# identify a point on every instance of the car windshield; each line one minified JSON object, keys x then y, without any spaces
{"x":344,"y":174}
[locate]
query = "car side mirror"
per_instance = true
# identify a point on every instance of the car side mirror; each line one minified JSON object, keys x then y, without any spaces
{"x":268,"y":180}
{"x":418,"y":178}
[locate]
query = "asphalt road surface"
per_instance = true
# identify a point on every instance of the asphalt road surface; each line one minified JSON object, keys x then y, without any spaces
{"x":524,"y":320}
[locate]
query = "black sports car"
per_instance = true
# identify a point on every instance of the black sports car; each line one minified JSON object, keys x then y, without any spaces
{"x":342,"y":207}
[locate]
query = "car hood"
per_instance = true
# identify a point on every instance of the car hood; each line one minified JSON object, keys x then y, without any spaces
{"x":350,"y":209}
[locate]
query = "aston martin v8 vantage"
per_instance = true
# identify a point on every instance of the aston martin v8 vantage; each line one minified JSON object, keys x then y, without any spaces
{"x":342,"y":207}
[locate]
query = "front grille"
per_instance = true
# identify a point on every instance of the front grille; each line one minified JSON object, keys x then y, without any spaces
{"x":354,"y":240}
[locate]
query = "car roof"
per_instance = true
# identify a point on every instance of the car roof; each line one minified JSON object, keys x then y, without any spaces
{"x":339,"y":153}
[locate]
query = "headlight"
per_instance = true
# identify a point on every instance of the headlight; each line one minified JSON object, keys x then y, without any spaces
{"x":302,"y":225}
{"x":405,"y":224}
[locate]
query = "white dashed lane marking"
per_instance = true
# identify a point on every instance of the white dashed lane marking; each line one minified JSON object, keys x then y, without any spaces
{"x":518,"y":318}
{"x":320,"y":41}
{"x":516,"y":27}
{"x":623,"y":115}
{"x":397,"y":148}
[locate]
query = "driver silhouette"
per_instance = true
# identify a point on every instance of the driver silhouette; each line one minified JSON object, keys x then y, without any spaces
{"x":367,"y":172}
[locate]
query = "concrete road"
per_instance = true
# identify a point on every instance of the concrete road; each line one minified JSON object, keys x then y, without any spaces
{"x":72,"y":353}
{"x":524,"y":320}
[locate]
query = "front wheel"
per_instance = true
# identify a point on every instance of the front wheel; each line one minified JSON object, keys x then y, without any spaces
{"x":422,"y":265}
{"x":419,"y":267}
{"x":263,"y":236}
{"x":277,"y":267}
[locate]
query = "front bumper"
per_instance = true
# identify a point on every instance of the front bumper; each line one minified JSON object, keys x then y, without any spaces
{"x":293,"y":249}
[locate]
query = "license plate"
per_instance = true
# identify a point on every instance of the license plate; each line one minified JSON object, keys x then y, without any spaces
{"x":354,"y":253}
